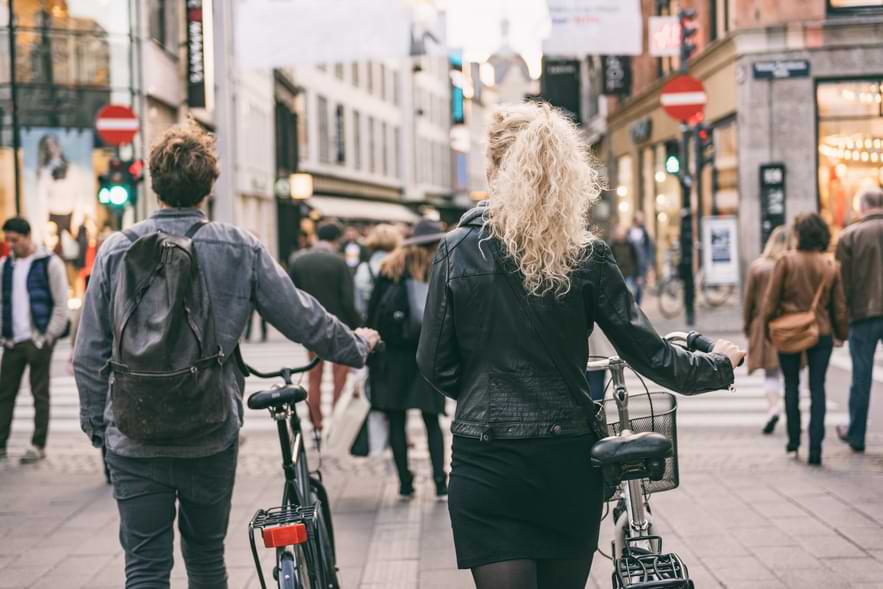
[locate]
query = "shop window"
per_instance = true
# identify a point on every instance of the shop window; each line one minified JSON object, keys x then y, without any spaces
{"x":850,"y":146}
{"x":846,"y":6}
{"x":725,"y":171}
{"x":666,"y":209}
{"x":625,"y":190}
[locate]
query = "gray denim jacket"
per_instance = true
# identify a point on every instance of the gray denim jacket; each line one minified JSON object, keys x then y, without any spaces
{"x":241,"y":276}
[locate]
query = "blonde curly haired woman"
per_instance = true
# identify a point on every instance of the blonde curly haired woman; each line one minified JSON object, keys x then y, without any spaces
{"x":525,"y":505}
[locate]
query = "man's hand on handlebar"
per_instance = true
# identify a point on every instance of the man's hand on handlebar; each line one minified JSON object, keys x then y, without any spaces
{"x":730,"y":350}
{"x":371,"y":337}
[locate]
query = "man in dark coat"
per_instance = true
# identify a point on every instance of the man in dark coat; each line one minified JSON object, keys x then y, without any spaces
{"x":322,"y":272}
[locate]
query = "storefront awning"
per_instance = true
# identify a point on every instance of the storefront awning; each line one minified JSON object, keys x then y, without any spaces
{"x":357,"y":209}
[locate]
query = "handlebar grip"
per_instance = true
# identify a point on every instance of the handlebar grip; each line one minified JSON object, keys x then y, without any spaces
{"x":698,"y":342}
{"x":379,"y":348}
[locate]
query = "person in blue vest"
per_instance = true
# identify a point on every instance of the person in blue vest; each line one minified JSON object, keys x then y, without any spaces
{"x":33,"y":315}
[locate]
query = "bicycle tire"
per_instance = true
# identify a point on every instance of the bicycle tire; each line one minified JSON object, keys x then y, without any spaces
{"x":287,"y":572}
{"x":717,"y":295}
{"x":670,"y":299}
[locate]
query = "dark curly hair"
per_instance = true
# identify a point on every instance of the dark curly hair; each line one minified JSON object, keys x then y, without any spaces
{"x":184,"y":165}
{"x":812,"y":233}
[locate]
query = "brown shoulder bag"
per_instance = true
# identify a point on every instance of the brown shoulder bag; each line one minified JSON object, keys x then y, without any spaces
{"x":793,"y":333}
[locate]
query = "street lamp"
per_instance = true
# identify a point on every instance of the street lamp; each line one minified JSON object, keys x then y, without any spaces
{"x":301,"y":186}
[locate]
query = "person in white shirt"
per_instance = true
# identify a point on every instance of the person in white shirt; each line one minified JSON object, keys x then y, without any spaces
{"x":33,"y":315}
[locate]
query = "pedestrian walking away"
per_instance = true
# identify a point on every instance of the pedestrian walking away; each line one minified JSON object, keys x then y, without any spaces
{"x":322,"y":272}
{"x":163,"y":393}
{"x":860,"y":253}
{"x":628,"y":259}
{"x":396,"y":311}
{"x":761,"y":353}
{"x":807,"y":280}
{"x":639,"y":236}
{"x":524,"y":513}
{"x":33,"y":300}
{"x":382,"y":239}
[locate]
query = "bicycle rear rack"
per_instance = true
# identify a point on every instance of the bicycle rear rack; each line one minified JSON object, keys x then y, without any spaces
{"x":639,"y":569}
{"x":275,"y":518}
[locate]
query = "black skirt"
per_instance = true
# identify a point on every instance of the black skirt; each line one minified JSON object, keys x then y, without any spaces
{"x":531,"y":499}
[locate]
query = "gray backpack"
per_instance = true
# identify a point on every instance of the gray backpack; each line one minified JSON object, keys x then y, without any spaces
{"x":167,"y":366}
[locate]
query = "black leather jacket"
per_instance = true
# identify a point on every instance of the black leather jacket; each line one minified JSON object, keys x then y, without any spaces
{"x":477,"y":345}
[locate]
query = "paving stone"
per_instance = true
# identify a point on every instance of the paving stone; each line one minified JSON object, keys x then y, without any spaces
{"x":732,"y":569}
{"x":829,"y":546}
{"x":390,"y":573}
{"x":14,"y":577}
{"x":785,"y":557}
{"x":446,"y":579}
{"x":762,"y":536}
{"x":811,"y":578}
{"x":856,"y":570}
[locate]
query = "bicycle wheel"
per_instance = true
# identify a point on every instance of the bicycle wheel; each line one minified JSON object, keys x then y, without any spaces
{"x":671,"y":298}
{"x":326,"y":562}
{"x":718,"y":294}
{"x":287,"y":572}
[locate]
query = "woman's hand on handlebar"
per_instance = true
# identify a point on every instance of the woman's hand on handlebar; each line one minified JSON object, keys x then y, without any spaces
{"x":371,"y":337}
{"x":730,"y":350}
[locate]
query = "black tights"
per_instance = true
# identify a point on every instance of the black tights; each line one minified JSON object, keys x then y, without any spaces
{"x":399,"y":443}
{"x":533,"y":574}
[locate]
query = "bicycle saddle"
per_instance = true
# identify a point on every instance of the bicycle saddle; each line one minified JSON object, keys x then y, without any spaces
{"x":277,"y":397}
{"x":629,"y":449}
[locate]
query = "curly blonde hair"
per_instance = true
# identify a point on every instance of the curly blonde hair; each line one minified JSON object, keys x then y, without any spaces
{"x":542,"y":185}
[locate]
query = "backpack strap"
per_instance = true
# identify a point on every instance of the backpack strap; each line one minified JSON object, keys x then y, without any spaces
{"x":194,"y":229}
{"x":131,"y":235}
{"x":818,"y":296}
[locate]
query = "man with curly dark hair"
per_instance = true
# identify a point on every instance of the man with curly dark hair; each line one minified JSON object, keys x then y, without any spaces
{"x":192,"y":476}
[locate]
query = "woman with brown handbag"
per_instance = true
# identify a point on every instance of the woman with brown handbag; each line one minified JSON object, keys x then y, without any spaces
{"x":761,"y":353}
{"x":805,"y":309}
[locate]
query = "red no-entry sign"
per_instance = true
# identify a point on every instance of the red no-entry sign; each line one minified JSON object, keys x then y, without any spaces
{"x":683,"y":99}
{"x":116,"y":124}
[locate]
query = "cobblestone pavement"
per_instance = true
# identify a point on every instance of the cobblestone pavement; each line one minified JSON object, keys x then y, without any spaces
{"x":745,"y":515}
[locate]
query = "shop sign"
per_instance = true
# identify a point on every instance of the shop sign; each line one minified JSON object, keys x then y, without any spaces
{"x":772,"y":199}
{"x":560,"y":85}
{"x":594,"y":27}
{"x":195,"y":55}
{"x":780,"y":69}
{"x":616,"y":73}
{"x":664,"y":36}
{"x":641,"y":130}
{"x":720,"y":252}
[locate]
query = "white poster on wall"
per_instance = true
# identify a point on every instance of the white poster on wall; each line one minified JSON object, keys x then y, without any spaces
{"x":720,"y":252}
{"x":594,"y":27}
{"x":282,"y":33}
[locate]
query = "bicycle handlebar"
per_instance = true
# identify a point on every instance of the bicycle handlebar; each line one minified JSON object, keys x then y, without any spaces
{"x":381,"y":345}
{"x":297,"y":370}
{"x":693,"y":341}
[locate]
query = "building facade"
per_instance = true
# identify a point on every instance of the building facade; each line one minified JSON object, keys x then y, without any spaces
{"x":794,"y":96}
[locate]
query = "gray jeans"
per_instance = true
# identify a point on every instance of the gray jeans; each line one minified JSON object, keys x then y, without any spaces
{"x":148,"y":491}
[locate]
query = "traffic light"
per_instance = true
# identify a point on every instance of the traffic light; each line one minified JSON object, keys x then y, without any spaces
{"x":689,"y":28}
{"x":704,"y":145}
{"x":672,"y":158}
{"x":119,"y":187}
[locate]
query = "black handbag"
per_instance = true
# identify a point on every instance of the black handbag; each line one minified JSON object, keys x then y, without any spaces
{"x":578,"y":386}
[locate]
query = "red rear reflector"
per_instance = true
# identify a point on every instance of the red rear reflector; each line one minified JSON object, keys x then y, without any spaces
{"x":284,"y":535}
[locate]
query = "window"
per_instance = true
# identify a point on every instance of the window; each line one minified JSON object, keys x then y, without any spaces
{"x":286,"y":138}
{"x":370,"y":76}
{"x":357,"y":140}
{"x":383,"y":146}
{"x":396,"y":82}
{"x":324,"y":140}
{"x":382,"y":81}
{"x":162,"y":23}
{"x":338,"y":71}
{"x":355,"y":74}
{"x":850,"y":145}
{"x":339,"y":135}
{"x":397,"y":153}
{"x":854,"y":5}
{"x":372,"y":151}
{"x":721,"y":17}
{"x":321,"y":67}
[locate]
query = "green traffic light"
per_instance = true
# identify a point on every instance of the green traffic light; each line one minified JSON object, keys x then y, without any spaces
{"x":672,"y":165}
{"x":118,"y":196}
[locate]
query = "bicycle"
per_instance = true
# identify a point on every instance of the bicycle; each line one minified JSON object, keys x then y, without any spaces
{"x":670,"y":294}
{"x":300,"y":529}
{"x":638,"y":460}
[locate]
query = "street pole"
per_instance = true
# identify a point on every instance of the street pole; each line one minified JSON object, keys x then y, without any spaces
{"x":16,"y":139}
{"x":225,"y":187}
{"x":686,"y":262}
